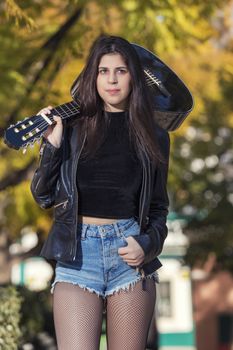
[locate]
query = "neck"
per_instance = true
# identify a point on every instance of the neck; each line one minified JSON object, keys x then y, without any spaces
{"x":121,"y":107}
{"x":112,"y":110}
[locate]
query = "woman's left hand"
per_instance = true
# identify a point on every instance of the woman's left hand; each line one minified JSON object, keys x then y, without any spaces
{"x":132,"y":254}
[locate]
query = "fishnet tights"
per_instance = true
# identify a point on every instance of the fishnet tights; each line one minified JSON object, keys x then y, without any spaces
{"x":128,"y":317}
{"x":78,"y":317}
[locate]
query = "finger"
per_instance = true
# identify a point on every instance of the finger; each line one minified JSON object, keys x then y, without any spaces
{"x":44,"y":111}
{"x":129,"y":252}
{"x":123,"y":251}
{"x":57,"y":119}
{"x":132,"y":263}
{"x":136,"y":262}
{"x":123,"y":254}
{"x":130,"y":260}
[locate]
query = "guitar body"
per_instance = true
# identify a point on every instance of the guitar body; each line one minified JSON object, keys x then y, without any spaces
{"x":172,"y":102}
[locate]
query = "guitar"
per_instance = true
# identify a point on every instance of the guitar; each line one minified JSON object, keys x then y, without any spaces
{"x":172,"y":102}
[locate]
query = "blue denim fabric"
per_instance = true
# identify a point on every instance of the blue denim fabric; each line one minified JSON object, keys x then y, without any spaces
{"x":98,"y":267}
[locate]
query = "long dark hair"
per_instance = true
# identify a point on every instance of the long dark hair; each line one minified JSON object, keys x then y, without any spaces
{"x":94,"y":121}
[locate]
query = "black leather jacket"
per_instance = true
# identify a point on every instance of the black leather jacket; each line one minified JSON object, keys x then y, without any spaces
{"x":54,"y":184}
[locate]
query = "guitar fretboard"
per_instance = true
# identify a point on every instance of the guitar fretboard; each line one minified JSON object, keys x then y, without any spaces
{"x":66,"y":110}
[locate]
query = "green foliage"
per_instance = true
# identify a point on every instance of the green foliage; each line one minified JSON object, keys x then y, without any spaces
{"x":24,"y":211}
{"x":10,"y":303}
{"x":36,"y":313}
{"x":23,"y":314}
{"x":15,"y":12}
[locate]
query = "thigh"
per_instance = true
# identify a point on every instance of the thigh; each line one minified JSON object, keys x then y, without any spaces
{"x":77,"y":317}
{"x":128,"y":316}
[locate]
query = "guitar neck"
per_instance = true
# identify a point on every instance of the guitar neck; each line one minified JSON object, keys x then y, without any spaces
{"x":66,"y":110}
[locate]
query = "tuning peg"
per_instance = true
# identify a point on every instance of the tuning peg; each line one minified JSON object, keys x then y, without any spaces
{"x":24,"y":150}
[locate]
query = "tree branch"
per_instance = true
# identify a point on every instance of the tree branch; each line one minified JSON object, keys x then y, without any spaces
{"x":52,"y":45}
{"x":14,"y":178}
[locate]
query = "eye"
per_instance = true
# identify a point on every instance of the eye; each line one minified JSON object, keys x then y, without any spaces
{"x":122,"y":71}
{"x":102,"y":71}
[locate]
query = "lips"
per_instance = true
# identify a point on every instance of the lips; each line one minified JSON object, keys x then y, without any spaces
{"x":113,"y":91}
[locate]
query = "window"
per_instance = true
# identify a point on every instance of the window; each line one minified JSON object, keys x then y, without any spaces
{"x":165,"y":304}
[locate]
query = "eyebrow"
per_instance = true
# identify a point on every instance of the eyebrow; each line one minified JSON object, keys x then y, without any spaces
{"x":115,"y":67}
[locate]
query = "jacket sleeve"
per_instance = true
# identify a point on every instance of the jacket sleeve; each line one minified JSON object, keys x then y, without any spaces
{"x":45,"y":177}
{"x":154,"y":236}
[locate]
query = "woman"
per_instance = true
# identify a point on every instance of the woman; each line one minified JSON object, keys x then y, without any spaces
{"x":105,"y":174}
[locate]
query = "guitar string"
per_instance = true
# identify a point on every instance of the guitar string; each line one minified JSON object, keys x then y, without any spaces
{"x":44,"y":123}
{"x":63,"y":114}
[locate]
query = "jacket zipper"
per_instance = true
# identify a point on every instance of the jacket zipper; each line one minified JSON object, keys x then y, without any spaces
{"x":64,"y":203}
{"x":38,"y":182}
{"x":76,"y":192}
{"x":62,"y":173}
{"x":142,"y":197}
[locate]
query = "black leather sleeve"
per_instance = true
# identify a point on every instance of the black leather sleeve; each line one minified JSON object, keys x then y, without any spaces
{"x":45,"y":177}
{"x":153,"y":238}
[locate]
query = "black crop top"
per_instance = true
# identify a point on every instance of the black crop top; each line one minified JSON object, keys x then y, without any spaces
{"x":109,"y":184}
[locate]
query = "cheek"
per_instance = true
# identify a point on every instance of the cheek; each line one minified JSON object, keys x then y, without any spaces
{"x":128,"y":86}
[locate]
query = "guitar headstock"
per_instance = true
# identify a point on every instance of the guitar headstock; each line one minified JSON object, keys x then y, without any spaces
{"x":25,"y":133}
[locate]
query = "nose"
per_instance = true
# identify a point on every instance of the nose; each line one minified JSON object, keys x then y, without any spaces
{"x":112,"y":78}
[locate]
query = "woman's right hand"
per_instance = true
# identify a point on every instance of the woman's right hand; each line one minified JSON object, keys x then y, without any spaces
{"x":54,"y":132}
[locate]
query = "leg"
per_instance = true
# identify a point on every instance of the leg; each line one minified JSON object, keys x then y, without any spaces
{"x":152,"y":339}
{"x":129,"y":315}
{"x":77,"y":317}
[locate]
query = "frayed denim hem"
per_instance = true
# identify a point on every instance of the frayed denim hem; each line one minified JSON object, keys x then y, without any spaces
{"x":91,"y":290}
{"x":125,"y":287}
{"x":130,"y":285}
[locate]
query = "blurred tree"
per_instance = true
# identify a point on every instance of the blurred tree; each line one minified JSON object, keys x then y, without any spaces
{"x":13,"y":10}
{"x":202,"y":190}
{"x":42,"y":54}
{"x":10,"y":332}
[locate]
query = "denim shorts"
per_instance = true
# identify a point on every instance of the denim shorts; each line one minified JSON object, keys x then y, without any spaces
{"x":97,"y":266}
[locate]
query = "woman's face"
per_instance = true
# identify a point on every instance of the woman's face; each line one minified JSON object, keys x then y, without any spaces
{"x":113,"y":82}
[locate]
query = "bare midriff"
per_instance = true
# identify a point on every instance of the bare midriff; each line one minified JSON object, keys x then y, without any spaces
{"x":95,"y":221}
